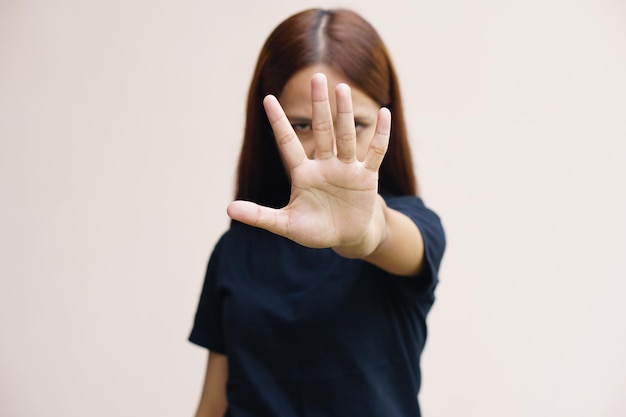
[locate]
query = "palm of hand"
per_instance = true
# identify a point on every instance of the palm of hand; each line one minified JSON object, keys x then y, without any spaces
{"x":334,"y":197}
{"x":332,"y":203}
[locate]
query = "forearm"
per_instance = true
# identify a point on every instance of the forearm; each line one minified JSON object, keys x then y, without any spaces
{"x":401,"y":251}
{"x":394,"y":245}
{"x":213,"y":400}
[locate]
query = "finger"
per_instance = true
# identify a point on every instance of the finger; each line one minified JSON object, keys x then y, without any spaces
{"x":288,"y":143}
{"x":273,"y":220}
{"x":346,"y":133}
{"x":378,"y":146}
{"x":322,"y":123}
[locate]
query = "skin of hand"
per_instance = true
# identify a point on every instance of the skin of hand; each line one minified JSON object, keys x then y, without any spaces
{"x":334,"y":200}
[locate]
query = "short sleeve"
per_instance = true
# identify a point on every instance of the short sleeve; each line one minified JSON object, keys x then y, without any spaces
{"x":434,"y":238}
{"x":207,"y":330}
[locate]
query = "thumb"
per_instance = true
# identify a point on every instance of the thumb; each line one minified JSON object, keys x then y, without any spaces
{"x":255,"y":215}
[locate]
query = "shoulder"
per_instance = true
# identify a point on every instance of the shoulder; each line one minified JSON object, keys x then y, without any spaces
{"x":408,"y":204}
{"x":241,"y":235}
{"x":242,"y":245}
{"x":415,"y":208}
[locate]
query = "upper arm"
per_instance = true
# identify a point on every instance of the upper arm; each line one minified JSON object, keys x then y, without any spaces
{"x":213,"y":400}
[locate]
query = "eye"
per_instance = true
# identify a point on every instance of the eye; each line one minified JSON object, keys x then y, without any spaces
{"x":360,"y":125}
{"x":301,"y":127}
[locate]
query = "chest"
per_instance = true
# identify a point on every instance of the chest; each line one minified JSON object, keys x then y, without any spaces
{"x":296,"y":305}
{"x":290,"y":284}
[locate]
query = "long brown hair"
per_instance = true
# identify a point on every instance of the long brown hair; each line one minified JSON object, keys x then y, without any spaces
{"x":348,"y":44}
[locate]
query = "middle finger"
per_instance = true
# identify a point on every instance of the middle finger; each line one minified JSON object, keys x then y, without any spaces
{"x":322,"y":122}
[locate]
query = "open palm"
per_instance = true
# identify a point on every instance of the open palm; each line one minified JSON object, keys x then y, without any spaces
{"x":334,"y":198}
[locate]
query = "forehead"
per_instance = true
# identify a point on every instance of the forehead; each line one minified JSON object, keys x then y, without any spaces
{"x":296,"y":95}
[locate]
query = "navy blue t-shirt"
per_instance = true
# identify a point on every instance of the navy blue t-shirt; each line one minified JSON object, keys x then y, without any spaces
{"x":309,"y":333}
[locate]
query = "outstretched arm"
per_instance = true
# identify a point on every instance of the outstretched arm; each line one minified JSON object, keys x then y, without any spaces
{"x":334,"y":199}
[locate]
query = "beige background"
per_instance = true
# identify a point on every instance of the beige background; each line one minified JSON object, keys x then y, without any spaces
{"x":120,"y":124}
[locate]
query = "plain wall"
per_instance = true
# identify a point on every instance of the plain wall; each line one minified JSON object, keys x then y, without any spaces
{"x":120,"y":125}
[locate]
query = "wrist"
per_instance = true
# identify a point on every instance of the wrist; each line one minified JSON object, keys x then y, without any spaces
{"x":373,"y":238}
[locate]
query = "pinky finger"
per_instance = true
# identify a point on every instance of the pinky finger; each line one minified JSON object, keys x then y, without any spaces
{"x":380,"y":141}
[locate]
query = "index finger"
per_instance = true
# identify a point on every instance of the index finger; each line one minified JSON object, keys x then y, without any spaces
{"x":288,"y":143}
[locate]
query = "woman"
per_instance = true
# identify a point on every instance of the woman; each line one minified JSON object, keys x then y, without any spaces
{"x":315,"y":299}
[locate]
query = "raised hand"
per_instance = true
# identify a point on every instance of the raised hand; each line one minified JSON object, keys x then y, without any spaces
{"x":334,"y":196}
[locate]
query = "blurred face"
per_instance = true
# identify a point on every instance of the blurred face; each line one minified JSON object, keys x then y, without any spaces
{"x":296,"y":102}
